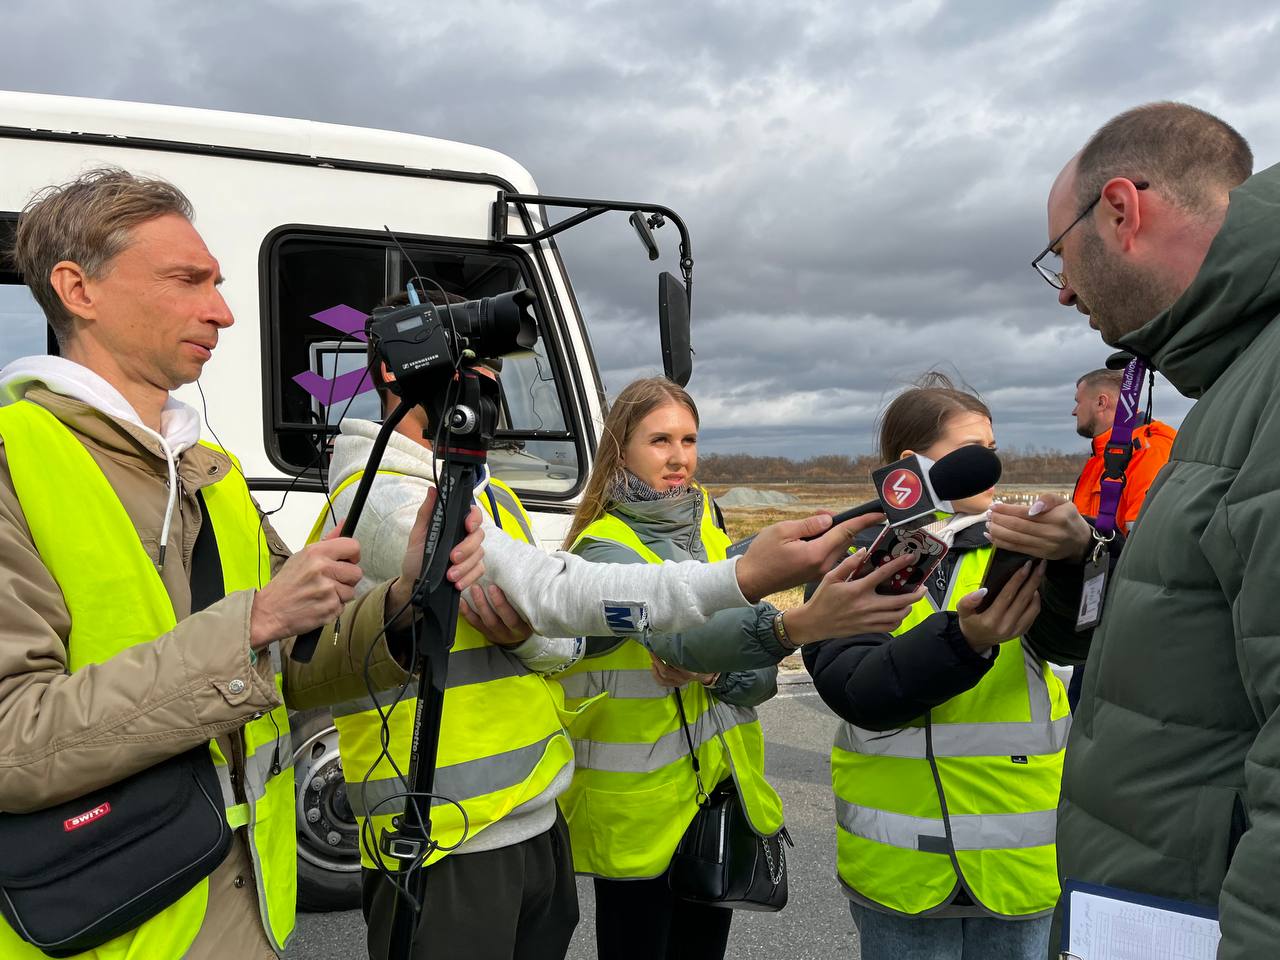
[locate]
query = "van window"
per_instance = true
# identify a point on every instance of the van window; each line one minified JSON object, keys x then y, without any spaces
{"x":23,"y":330}
{"x":320,"y":287}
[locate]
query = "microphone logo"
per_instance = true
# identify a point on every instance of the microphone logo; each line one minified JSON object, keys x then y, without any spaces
{"x":902,"y":489}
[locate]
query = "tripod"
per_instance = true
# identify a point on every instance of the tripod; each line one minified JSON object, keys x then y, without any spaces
{"x":470,"y":425}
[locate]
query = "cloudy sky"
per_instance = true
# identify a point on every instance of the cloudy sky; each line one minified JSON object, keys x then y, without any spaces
{"x":864,"y":181}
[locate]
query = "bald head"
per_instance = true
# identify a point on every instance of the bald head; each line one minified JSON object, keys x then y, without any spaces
{"x":1190,"y":156}
{"x":1147,"y":195}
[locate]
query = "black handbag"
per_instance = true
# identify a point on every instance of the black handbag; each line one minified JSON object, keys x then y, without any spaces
{"x":79,"y":874}
{"x":721,"y":861}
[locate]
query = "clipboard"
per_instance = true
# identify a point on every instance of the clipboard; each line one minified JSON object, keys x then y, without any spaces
{"x":1135,"y":926}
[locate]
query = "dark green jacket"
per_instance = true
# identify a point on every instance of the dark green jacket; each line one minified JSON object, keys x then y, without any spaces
{"x":1172,"y":780}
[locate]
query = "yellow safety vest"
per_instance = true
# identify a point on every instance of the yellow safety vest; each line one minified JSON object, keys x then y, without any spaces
{"x":634,"y":792}
{"x":966,"y":794}
{"x":117,"y":600}
{"x":502,"y":739}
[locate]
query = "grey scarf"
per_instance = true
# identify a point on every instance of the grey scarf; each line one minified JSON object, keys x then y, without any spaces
{"x":626,"y":487}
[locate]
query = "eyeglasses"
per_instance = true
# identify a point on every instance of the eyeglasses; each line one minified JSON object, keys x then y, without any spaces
{"x":1049,"y":263}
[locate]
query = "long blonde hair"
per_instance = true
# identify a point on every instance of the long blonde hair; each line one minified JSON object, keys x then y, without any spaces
{"x":636,"y":401}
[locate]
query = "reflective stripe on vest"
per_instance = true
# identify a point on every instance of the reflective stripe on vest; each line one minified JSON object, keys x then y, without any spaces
{"x":116,"y":600}
{"x":502,"y":739}
{"x":966,"y":795}
{"x":634,"y":793}
{"x":509,"y":506}
{"x":1010,"y":831}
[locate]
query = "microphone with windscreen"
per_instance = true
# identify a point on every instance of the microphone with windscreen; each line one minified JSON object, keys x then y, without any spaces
{"x":916,"y":487}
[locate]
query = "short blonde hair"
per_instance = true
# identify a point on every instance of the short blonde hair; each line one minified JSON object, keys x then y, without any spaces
{"x":88,"y":221}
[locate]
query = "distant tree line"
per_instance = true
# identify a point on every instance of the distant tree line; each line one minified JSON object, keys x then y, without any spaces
{"x":1020,"y":466}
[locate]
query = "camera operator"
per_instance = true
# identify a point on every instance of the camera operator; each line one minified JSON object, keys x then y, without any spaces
{"x":515,"y":846}
{"x":117,"y":653}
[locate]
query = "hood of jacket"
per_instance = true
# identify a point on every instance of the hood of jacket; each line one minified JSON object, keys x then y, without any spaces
{"x":179,"y":422}
{"x":670,"y":527}
{"x":1234,"y":296}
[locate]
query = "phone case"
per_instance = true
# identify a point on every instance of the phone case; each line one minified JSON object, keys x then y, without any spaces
{"x":893,"y":543}
{"x":1002,"y":565}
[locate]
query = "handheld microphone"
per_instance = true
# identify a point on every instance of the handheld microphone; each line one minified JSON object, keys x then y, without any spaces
{"x":916,"y":486}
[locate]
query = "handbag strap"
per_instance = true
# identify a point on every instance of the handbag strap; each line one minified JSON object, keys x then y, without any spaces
{"x":207,"y":584}
{"x":693,"y":754}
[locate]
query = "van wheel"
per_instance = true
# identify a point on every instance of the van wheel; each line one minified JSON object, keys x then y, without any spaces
{"x":328,"y":855}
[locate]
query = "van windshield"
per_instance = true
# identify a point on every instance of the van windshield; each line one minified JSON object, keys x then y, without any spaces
{"x":325,"y":286}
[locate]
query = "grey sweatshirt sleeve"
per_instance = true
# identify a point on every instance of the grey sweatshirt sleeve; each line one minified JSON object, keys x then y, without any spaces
{"x":740,"y":639}
{"x":559,"y":594}
{"x":562,"y":595}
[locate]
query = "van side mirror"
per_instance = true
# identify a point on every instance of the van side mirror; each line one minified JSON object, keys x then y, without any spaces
{"x":645,"y":233}
{"x":673,"y":326}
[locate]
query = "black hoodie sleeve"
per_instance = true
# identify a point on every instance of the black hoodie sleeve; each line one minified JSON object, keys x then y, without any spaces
{"x":1053,"y":636}
{"x":878,"y":682}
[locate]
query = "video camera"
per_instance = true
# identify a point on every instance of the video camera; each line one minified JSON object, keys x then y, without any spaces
{"x":424,"y":345}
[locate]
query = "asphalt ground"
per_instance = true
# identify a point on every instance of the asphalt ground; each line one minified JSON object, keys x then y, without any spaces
{"x":815,"y":925}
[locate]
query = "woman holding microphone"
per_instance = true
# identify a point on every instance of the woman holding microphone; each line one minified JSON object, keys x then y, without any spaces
{"x":636,"y":789}
{"x":947,"y":767}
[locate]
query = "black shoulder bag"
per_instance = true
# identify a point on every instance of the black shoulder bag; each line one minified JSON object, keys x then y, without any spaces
{"x":721,"y":861}
{"x":79,"y":874}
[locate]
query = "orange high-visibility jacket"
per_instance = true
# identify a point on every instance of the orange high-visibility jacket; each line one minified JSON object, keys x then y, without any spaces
{"x":1151,"y":444}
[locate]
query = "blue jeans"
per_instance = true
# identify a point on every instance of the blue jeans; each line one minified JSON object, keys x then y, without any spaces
{"x":888,"y":937}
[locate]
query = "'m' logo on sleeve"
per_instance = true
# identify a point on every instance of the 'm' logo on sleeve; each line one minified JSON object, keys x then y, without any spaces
{"x":624,"y":619}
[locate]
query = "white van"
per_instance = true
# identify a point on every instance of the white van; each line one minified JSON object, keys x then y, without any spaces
{"x":295,"y":212}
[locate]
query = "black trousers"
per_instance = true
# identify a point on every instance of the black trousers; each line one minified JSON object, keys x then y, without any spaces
{"x":514,"y":903}
{"x":641,"y":920}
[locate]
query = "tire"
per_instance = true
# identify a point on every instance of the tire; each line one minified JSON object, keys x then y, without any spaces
{"x":328,"y":857}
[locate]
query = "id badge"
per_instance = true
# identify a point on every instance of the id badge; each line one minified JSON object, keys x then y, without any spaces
{"x":1094,"y":588}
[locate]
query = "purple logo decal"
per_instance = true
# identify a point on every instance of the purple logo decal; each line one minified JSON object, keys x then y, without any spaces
{"x":339,"y":389}
{"x":346,"y":319}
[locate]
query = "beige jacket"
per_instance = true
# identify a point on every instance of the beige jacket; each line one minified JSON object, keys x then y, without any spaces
{"x":62,"y":735}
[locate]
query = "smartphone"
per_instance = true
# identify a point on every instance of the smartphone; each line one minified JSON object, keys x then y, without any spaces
{"x":894,"y":542}
{"x":1004,"y":564}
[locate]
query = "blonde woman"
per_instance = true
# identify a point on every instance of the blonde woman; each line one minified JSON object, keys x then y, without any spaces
{"x":636,"y":787}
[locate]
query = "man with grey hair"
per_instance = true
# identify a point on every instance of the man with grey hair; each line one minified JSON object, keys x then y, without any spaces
{"x":149,"y":608}
{"x":1160,"y":235}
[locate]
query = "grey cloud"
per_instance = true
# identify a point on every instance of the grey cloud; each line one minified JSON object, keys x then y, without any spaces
{"x":864,"y":183}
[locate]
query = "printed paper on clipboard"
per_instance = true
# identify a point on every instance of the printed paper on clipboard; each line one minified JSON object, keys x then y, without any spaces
{"x":1106,"y":923}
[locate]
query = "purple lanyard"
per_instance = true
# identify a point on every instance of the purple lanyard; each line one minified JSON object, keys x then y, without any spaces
{"x":1119,"y":448}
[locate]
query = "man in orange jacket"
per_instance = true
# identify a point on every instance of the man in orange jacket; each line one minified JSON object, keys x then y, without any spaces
{"x":1097,"y":393}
